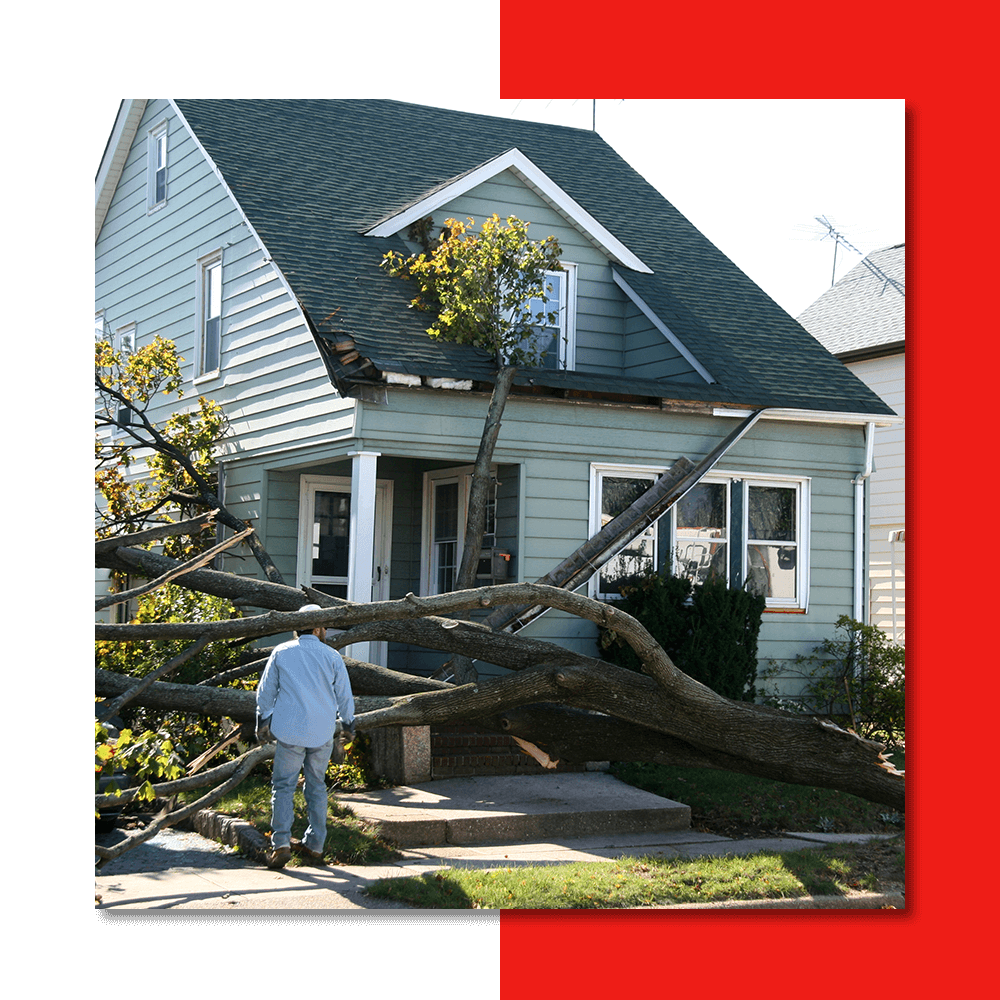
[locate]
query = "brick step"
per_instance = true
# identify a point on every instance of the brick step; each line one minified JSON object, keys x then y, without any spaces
{"x":458,"y":751}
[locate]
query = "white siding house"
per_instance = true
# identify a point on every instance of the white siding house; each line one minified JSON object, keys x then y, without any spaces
{"x":861,"y":320}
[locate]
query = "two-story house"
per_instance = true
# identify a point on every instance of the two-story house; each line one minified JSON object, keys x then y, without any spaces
{"x":251,"y":233}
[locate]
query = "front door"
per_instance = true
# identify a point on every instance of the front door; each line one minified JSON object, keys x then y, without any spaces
{"x":324,"y":561}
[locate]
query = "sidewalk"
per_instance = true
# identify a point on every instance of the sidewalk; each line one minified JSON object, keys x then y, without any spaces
{"x":471,"y":823}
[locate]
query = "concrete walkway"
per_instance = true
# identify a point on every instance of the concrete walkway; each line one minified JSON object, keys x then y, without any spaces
{"x":462,"y":822}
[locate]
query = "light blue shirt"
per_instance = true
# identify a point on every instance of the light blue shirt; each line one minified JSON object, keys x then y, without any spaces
{"x":303,"y":688}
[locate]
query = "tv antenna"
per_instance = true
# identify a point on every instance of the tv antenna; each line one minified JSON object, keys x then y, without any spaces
{"x":838,"y":239}
{"x":830,"y":231}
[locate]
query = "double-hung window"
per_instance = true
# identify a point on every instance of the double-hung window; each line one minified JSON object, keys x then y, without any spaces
{"x":702,"y":531}
{"x":614,"y":488}
{"x":446,"y":506}
{"x":555,"y":335}
{"x":156,"y":167}
{"x":210,"y":313}
{"x":124,"y":343}
{"x":773,"y":562}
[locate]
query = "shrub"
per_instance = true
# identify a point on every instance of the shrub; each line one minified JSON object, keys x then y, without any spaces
{"x":709,"y":630}
{"x":190,"y":734}
{"x":857,"y":679}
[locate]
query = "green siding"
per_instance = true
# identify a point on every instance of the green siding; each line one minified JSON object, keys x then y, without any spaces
{"x":273,"y":385}
{"x":557,"y":441}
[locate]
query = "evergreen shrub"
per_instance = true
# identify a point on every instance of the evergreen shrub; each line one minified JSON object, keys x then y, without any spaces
{"x":709,"y":630}
{"x":857,"y":679}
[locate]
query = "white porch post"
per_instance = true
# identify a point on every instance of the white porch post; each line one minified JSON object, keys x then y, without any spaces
{"x":362,"y":537}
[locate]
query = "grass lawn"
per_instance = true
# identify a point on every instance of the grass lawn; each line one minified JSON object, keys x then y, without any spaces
{"x":637,"y":882}
{"x":724,"y":803}
{"x":728,"y":804}
{"x":739,"y":805}
{"x":349,"y":840}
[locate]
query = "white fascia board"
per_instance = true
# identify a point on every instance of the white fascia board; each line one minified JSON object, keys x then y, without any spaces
{"x":113,"y":162}
{"x":536,"y":179}
{"x":814,"y":416}
{"x":662,"y":327}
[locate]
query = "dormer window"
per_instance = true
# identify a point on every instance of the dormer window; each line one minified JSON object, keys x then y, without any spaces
{"x":558,"y":338}
{"x":156,"y":172}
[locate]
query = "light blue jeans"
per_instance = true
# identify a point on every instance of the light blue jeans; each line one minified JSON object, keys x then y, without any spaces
{"x":288,"y":762}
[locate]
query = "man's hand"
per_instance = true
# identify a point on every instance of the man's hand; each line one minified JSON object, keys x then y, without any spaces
{"x":264,"y":734}
{"x":340,"y":743}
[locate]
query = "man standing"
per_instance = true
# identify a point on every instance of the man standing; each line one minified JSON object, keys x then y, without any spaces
{"x":301,"y":691}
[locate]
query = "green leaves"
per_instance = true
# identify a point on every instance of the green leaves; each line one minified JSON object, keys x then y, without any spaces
{"x":480,"y":286}
{"x":126,"y":383}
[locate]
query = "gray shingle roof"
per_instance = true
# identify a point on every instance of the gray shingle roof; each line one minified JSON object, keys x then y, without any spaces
{"x":312,"y":175}
{"x":866,"y":309}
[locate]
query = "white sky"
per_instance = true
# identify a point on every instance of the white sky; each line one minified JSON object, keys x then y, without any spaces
{"x":752,"y":175}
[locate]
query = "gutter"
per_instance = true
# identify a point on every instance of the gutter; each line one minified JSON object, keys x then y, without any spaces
{"x":860,"y":535}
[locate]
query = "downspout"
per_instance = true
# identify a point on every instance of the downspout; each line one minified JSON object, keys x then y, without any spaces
{"x":860,"y":535}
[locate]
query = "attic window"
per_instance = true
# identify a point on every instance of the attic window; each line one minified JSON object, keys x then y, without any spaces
{"x":557,"y":340}
{"x":210,"y":313}
{"x":156,"y":169}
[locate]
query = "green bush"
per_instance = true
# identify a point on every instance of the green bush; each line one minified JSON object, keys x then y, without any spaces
{"x":190,"y":734}
{"x":709,"y":630}
{"x":857,"y":679}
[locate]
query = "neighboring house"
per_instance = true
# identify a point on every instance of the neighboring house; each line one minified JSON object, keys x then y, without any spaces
{"x":861,"y":321}
{"x":251,"y":233}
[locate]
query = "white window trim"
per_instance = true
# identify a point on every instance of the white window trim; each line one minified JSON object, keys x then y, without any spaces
{"x":123,"y":341}
{"x":203,"y":371}
{"x":597,"y":473}
{"x":803,"y":523}
{"x":566,"y":323}
{"x":152,"y":138}
{"x":566,"y":326}
{"x":462,"y":474}
{"x":736,"y":534}
{"x":676,"y":542}
{"x":308,"y":487}
{"x":567,"y":339}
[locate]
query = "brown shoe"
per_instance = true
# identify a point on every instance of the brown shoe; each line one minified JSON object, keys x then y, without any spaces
{"x":306,"y":852}
{"x":278,"y":857}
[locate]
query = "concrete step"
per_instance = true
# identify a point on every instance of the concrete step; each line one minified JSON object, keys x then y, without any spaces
{"x":483,"y":809}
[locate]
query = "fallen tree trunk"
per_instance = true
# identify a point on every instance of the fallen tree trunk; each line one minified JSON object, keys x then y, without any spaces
{"x":793,"y":748}
{"x":764,"y":742}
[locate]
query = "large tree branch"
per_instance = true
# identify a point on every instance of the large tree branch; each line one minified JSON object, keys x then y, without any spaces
{"x":202,"y":559}
{"x":774,"y":744}
{"x":158,"y":531}
{"x":157,"y":442}
{"x":165,"y":819}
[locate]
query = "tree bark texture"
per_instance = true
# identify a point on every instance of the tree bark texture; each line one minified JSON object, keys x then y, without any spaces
{"x":663,"y":702}
{"x":475,"y":525}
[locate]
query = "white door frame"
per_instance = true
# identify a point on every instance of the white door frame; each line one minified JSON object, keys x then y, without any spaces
{"x":375,"y":522}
